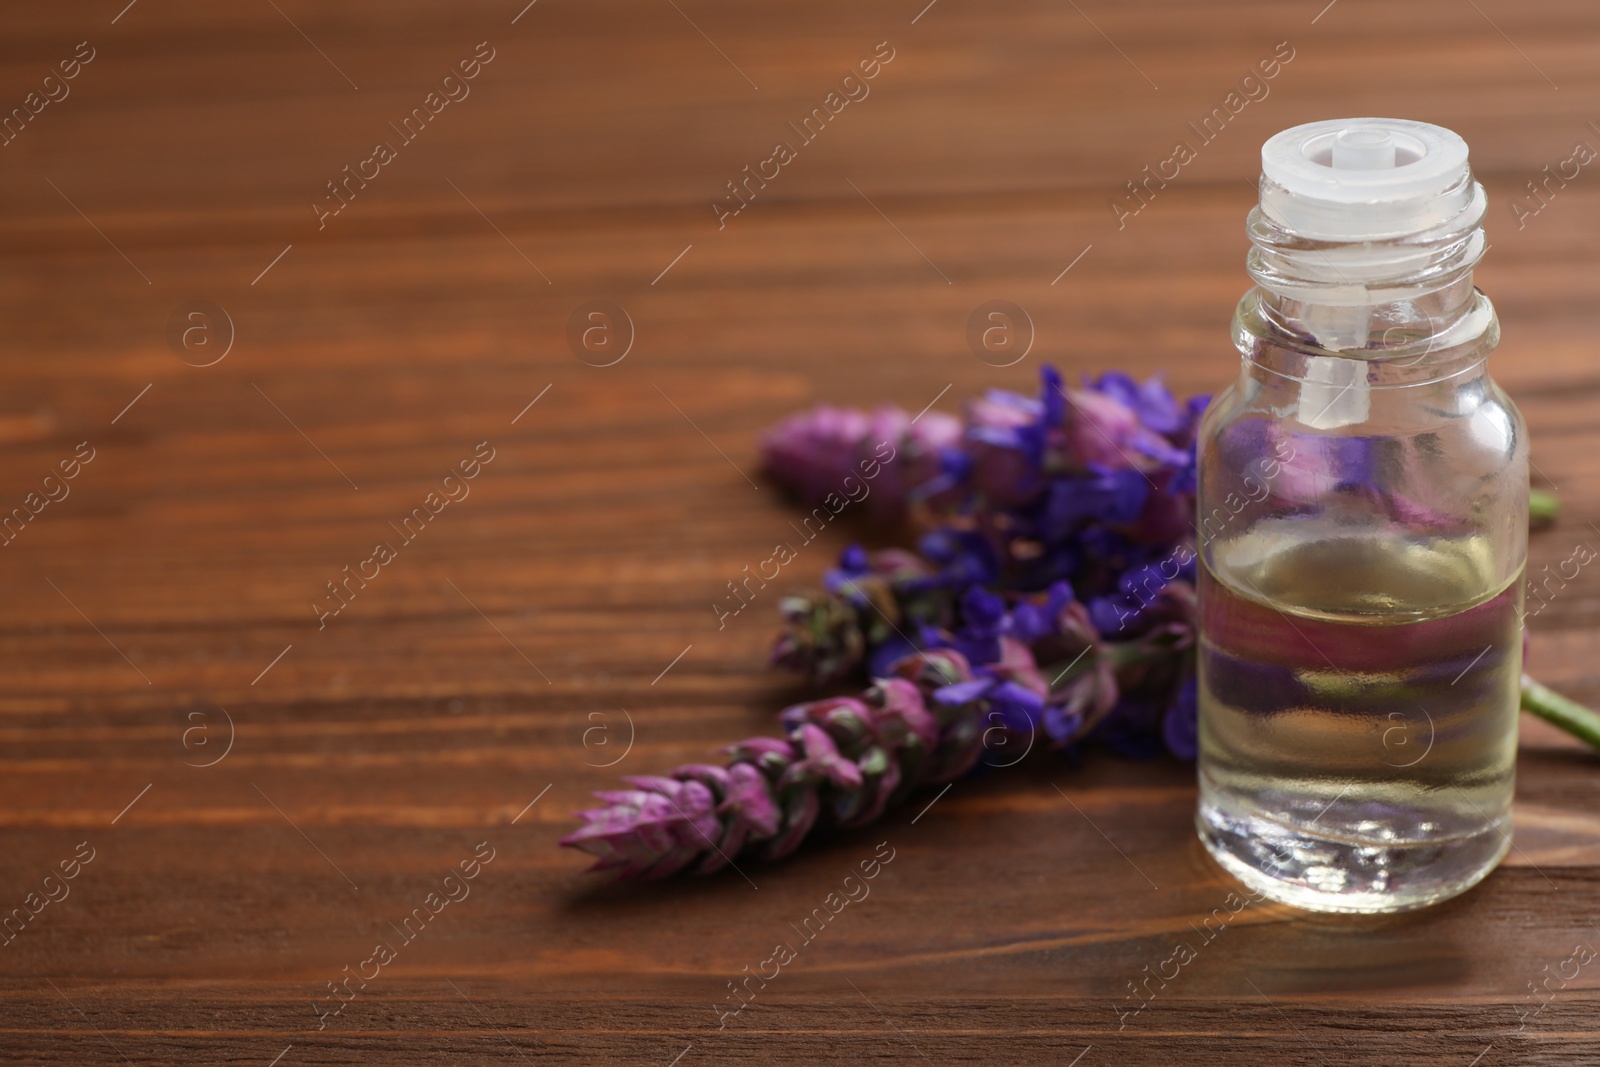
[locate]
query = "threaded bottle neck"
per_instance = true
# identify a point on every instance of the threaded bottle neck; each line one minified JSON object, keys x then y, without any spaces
{"x":1350,"y":296}
{"x":1366,"y":232}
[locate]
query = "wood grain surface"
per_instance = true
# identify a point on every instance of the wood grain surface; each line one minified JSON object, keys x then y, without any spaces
{"x":266,"y":796}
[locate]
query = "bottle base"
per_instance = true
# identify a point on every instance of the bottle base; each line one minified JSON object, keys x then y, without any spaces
{"x":1345,"y":874}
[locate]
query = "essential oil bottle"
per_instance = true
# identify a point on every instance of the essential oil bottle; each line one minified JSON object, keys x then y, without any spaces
{"x":1362,"y":529}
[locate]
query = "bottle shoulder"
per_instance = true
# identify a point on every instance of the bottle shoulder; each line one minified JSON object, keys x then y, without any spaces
{"x":1471,"y":418}
{"x":1430,"y":338}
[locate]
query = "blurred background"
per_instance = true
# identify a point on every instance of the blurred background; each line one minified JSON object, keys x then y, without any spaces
{"x":276,"y":338}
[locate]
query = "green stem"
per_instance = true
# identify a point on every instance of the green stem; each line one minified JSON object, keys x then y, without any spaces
{"x":1543,"y":507}
{"x":1552,"y":707}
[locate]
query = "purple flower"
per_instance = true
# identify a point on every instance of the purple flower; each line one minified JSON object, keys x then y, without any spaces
{"x":1017,"y":665}
{"x":1151,"y":402}
{"x":1169,"y":511}
{"x":1102,"y":429}
{"x":984,"y":622}
{"x":651,"y":831}
{"x":1032,"y":622}
{"x":883,"y":658}
{"x":1194,"y":410}
{"x":811,"y":452}
{"x":902,"y":716}
{"x":853,"y":563}
{"x":821,"y":761}
{"x":1061,"y":723}
{"x":859,"y":573}
{"x":916,"y":468}
{"x":846,"y":716}
{"x":1014,"y":706}
{"x":1102,"y":495}
{"x":1180,"y":727}
{"x":976,"y":707}
{"x":1086,"y":689}
{"x":1139,"y":589}
{"x":933,"y":667}
{"x":1053,"y":395}
{"x":1005,"y":440}
{"x":1010,"y":687}
{"x":964,"y":557}
{"x":745,"y":808}
{"x":846,"y":452}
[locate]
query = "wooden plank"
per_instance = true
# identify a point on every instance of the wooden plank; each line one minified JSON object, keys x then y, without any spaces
{"x":372,"y":753}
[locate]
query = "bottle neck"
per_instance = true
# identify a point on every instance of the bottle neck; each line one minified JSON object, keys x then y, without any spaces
{"x":1387,"y":312}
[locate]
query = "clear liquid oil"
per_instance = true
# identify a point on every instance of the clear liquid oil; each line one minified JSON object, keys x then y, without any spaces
{"x":1358,"y":714}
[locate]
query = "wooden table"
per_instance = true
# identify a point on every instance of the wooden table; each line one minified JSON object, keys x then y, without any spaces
{"x":265,"y":795}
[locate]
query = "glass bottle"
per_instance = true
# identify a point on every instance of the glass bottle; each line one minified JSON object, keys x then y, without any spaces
{"x":1362,"y":530}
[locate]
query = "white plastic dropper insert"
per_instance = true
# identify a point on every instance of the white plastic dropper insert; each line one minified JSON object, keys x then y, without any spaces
{"x":1364,"y":179}
{"x":1354,"y":181}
